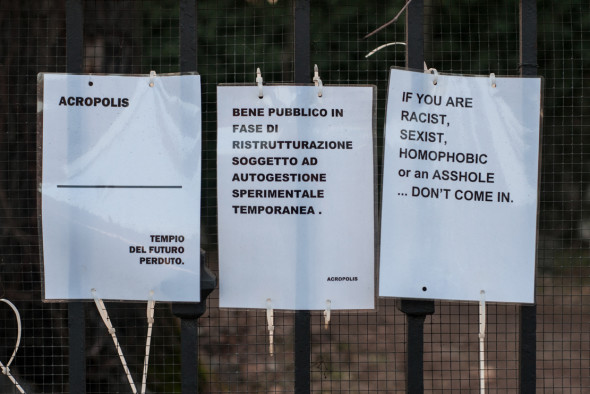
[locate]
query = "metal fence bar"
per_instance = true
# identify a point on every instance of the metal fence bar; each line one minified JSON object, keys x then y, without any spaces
{"x":189,"y":338}
{"x":188,"y":35}
{"x":528,"y":349}
{"x":189,"y":341}
{"x":189,"y":313}
{"x":415,"y":310}
{"x":302,"y":26}
{"x":302,"y":352}
{"x":415,"y":35}
{"x":77,"y":347}
{"x":74,"y":36}
{"x":76,"y":312}
{"x":528,"y":313}
{"x":302,"y":74}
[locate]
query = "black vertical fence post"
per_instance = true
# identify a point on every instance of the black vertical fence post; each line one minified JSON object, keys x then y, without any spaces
{"x":302,"y":74}
{"x":189,"y":313}
{"x":76,"y":313}
{"x":528,"y":313}
{"x":415,"y":310}
{"x":415,"y":35}
{"x":188,"y":35}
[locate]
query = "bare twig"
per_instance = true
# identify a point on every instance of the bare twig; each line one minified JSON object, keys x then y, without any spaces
{"x":390,"y":22}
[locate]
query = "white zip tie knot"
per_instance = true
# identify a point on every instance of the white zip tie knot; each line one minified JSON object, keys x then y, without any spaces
{"x":327,"y":313}
{"x":152,"y":78}
{"x":151,"y":306}
{"x":493,"y":79}
{"x":317,"y":81}
{"x":259,"y":82}
{"x":482,"y":315}
{"x":435,"y":72}
{"x":271,"y":327}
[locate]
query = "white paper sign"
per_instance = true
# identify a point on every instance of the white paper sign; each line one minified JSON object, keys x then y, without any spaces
{"x":121,"y":178}
{"x":296,"y":197}
{"x":460,"y":188}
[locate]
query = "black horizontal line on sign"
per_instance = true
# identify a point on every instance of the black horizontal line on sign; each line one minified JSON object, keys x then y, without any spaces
{"x":119,"y":187}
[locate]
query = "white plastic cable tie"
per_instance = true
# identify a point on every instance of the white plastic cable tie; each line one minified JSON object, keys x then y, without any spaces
{"x":102,"y":310}
{"x":435,"y":72}
{"x":482,"y":315}
{"x":317,"y":81}
{"x":6,"y":368}
{"x":327,"y":314}
{"x":493,"y":79}
{"x":482,"y":335}
{"x":425,"y":68}
{"x":152,"y":78}
{"x":151,"y":305}
{"x":259,"y":82}
{"x":374,"y":51}
{"x":271,"y":327}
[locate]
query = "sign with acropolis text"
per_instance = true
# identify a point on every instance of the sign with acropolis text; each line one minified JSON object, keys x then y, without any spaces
{"x":460,"y":181}
{"x":296,"y":197}
{"x":120,"y":185}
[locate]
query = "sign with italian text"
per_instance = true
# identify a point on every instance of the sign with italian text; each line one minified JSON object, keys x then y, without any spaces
{"x":296,"y":197}
{"x":460,"y":184}
{"x":120,"y":186}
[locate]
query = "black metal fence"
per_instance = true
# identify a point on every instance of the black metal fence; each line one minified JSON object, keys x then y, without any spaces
{"x":66,"y":348}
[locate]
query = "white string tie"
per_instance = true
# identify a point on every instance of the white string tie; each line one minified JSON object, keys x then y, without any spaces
{"x":259,"y":82}
{"x":151,"y":305}
{"x":102,"y":310}
{"x":493,"y":79}
{"x":317,"y":81}
{"x":327,"y":313}
{"x":152,"y":78}
{"x":271,"y":327}
{"x":6,"y":368}
{"x":435,"y":72}
{"x":482,"y":336}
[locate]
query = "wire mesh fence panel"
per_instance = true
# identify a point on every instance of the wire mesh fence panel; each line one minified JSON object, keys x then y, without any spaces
{"x":235,"y":39}
{"x":563,"y":265}
{"x":360,"y":351}
{"x":480,"y":39}
{"x":32,"y":40}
